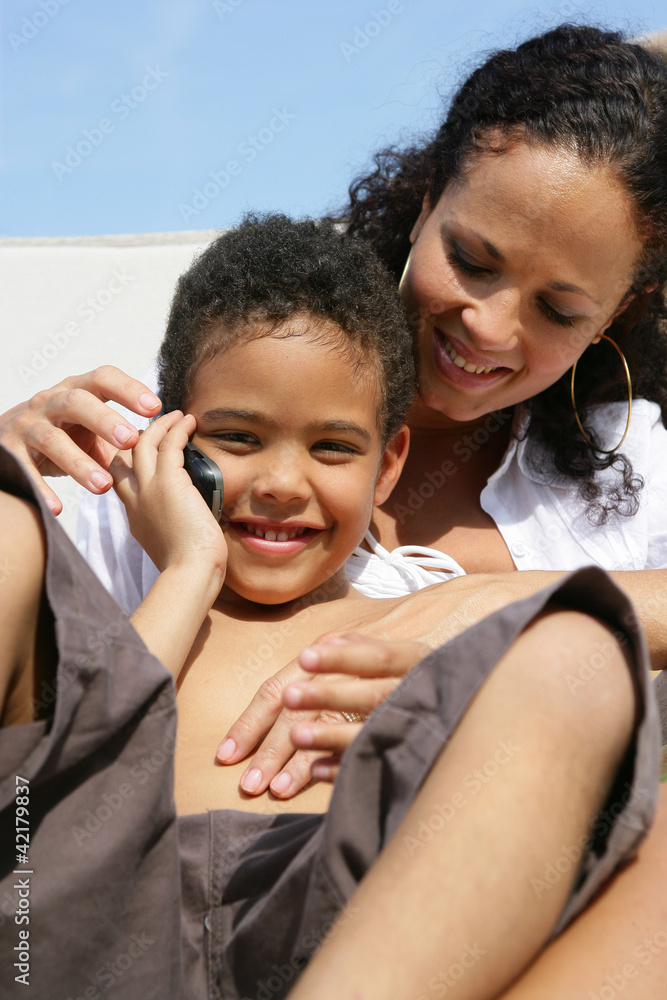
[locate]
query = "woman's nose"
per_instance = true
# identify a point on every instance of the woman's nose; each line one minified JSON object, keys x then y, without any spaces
{"x":493,"y":322}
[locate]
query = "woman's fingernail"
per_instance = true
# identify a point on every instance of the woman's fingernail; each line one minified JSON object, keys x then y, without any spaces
{"x":122,"y":434}
{"x":51,"y":504}
{"x":149,"y":401}
{"x":281,"y":783}
{"x":293,"y":696}
{"x":226,"y":749}
{"x":251,"y":780}
{"x":309,"y":658}
{"x":303,"y":736}
{"x":322,"y":772}
{"x":99,"y":480}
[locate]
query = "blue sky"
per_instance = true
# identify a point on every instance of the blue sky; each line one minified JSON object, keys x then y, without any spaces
{"x":123,"y":116}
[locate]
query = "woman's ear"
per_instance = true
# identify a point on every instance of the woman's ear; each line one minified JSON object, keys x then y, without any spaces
{"x":391,"y":465}
{"x":423,"y":215}
{"x":620,"y":308}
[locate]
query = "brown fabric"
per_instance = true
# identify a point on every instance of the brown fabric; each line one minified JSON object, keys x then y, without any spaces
{"x":256,"y":894}
{"x":104,"y":889}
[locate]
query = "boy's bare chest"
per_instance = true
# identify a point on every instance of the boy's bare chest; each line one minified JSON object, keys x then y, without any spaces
{"x":227,"y":665}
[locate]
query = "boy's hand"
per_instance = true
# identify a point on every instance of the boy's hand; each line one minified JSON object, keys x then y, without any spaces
{"x":276,"y":764}
{"x":68,"y":430}
{"x":167,"y":515}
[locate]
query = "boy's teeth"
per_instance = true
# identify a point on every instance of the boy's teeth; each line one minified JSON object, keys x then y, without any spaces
{"x":467,"y":366}
{"x":274,"y":536}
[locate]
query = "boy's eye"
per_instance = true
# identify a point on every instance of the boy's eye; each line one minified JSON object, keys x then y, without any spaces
{"x":235,"y":437}
{"x":335,"y":447}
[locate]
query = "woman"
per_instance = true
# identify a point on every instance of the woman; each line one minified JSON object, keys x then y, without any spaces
{"x":538,"y":217}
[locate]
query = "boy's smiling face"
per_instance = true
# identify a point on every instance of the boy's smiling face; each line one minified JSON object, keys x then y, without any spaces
{"x":294,"y":429}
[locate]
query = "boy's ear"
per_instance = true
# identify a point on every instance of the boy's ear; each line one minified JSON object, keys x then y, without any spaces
{"x":391,"y":465}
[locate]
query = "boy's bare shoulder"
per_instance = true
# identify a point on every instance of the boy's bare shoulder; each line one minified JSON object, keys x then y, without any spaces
{"x":22,"y":561}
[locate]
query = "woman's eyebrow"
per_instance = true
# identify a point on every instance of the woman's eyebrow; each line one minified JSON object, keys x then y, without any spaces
{"x":492,"y":250}
{"x":563,"y":286}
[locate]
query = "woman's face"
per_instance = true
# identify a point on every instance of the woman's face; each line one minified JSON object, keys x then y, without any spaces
{"x":521,"y":264}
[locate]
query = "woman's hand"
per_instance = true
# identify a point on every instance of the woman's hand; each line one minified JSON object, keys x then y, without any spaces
{"x":68,"y":429}
{"x":334,"y":658}
{"x":376,"y":667}
{"x":438,"y":613}
{"x":166,"y":513}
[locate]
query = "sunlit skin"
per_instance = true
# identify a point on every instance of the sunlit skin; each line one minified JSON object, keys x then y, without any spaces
{"x":558,"y":224}
{"x":494,"y":270}
{"x":294,"y":430}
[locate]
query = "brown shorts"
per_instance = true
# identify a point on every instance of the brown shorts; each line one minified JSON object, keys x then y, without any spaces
{"x":107,"y":907}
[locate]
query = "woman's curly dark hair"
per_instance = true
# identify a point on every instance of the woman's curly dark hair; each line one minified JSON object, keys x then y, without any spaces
{"x":270,"y":268}
{"x":585,"y":89}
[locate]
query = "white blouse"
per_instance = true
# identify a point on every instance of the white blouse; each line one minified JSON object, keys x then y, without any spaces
{"x":539,"y":514}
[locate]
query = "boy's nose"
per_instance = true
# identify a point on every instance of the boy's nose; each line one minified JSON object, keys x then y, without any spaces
{"x":282,"y":482}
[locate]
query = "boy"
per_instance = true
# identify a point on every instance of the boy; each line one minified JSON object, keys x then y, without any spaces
{"x":290,"y":351}
{"x":298,"y":392}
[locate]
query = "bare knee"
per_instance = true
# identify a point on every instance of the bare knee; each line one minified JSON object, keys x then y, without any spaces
{"x":578,"y":674}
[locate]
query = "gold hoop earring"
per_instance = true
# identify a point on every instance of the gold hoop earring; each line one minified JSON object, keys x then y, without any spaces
{"x":604,"y":451}
{"x":405,"y":270}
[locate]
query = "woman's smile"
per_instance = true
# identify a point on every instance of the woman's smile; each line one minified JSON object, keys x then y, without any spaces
{"x":459,"y":365}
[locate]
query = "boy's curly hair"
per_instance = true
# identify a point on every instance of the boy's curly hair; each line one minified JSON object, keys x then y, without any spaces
{"x":252,"y":279}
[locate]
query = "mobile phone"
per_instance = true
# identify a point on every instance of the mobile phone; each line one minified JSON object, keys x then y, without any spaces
{"x":206,"y":476}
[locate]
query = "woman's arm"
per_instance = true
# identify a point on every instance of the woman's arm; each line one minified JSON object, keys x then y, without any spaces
{"x":68,"y":429}
{"x":432,"y":616}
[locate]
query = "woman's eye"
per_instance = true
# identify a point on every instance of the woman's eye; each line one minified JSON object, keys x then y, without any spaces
{"x":459,"y":263}
{"x":553,"y":315}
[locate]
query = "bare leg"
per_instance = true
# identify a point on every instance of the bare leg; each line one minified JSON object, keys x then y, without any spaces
{"x":618,"y":946}
{"x":462,"y":904}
